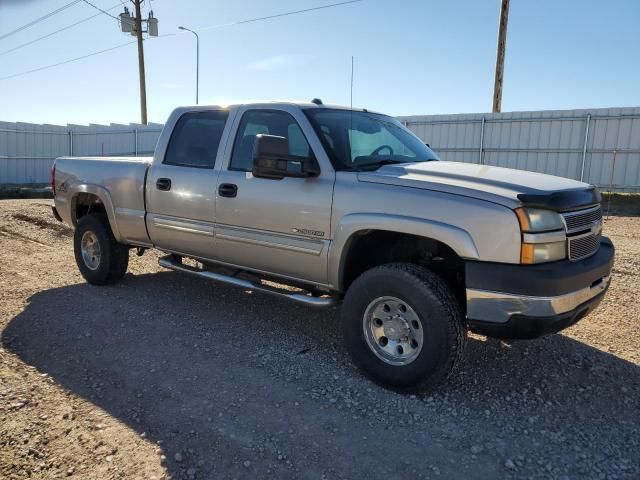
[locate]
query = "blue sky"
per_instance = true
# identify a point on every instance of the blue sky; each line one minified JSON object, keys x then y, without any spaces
{"x":411,"y":57}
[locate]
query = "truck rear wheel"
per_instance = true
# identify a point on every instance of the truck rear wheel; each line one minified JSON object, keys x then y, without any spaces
{"x":100,"y":258}
{"x":403,"y":326}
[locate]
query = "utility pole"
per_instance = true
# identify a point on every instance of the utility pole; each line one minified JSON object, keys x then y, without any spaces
{"x":143,"y":83}
{"x":502,"y":44}
{"x":133,"y":26}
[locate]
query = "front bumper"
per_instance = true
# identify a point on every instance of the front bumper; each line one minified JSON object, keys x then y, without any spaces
{"x":522,"y":301}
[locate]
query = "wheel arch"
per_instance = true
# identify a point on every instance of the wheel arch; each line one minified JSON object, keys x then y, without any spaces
{"x":86,"y":198}
{"x":358,"y":228}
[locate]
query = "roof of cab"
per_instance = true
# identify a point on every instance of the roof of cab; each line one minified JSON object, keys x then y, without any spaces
{"x":274,"y":103}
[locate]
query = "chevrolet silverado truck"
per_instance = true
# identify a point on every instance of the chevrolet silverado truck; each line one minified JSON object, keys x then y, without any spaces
{"x":328,"y":205}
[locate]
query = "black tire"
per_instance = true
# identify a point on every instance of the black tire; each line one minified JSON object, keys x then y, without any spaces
{"x":114,"y":257}
{"x":437,"y":308}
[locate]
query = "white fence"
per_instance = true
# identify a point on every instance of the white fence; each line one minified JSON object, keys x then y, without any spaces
{"x":578,"y":144}
{"x":27,"y":150}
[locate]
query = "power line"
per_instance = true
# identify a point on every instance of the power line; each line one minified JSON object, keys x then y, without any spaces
{"x":240,"y":22}
{"x":67,"y":61}
{"x":321,"y":7}
{"x":46,"y":67}
{"x":55,"y":32}
{"x":40,"y":19}
{"x":99,"y":9}
{"x":278,"y":15}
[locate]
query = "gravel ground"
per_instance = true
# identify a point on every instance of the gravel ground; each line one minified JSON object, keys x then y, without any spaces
{"x":168,"y":376}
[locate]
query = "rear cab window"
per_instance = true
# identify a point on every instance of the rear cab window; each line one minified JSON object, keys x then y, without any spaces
{"x":195,"y":139}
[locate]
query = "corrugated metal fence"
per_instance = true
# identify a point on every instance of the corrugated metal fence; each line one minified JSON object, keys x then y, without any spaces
{"x":27,"y":150}
{"x":578,"y":144}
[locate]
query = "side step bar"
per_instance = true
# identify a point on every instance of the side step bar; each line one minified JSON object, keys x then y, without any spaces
{"x":171,"y":263}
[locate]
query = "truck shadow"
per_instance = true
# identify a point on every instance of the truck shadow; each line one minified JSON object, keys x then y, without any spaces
{"x":213,"y":371}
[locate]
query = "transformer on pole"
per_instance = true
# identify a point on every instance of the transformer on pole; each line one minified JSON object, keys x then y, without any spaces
{"x":134,"y":25}
{"x":152,"y":25}
{"x":128,"y":23}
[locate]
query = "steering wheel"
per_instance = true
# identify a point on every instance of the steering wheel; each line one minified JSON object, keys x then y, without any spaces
{"x":380,"y":148}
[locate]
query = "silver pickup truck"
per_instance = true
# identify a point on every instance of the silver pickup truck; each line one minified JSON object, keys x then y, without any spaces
{"x":326,"y":205}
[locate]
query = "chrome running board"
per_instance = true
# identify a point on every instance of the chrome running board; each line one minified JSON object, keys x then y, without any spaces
{"x":172,"y":263}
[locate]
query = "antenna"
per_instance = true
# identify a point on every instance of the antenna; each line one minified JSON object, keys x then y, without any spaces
{"x":351,"y":100}
{"x":351,"y":112}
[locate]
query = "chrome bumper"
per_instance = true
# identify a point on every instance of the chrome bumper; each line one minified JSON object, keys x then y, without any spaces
{"x":499,"y":307}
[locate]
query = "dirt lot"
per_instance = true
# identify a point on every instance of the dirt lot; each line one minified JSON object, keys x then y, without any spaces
{"x":166,"y":376}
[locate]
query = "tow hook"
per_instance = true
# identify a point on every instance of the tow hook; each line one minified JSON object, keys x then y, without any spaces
{"x":140,"y":251}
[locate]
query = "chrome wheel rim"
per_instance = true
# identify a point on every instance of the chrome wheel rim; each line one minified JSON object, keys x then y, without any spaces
{"x":90,"y":247}
{"x":393,"y":330}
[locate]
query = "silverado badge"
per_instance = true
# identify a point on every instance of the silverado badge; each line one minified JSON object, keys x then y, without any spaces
{"x":304,"y":231}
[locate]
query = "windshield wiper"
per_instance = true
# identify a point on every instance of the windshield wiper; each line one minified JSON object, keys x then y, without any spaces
{"x":379,"y":163}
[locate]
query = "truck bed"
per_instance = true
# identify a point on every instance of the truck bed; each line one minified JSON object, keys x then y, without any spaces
{"x":124,"y":180}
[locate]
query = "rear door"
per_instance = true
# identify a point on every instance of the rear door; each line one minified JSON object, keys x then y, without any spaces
{"x":181,"y":187}
{"x":277,"y":226}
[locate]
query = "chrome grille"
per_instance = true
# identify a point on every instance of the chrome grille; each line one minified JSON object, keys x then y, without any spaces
{"x":583,"y":246}
{"x":584,"y":229}
{"x":582,"y":219}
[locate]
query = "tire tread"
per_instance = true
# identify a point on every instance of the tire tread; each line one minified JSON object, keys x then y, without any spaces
{"x":456,"y":331}
{"x":116,"y":254}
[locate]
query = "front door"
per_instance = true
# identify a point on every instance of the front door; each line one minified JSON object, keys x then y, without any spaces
{"x":181,"y":189}
{"x":276,"y":226}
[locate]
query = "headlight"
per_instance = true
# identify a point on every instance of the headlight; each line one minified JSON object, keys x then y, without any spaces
{"x":543,"y":252}
{"x":543,"y":236}
{"x":539,"y":220}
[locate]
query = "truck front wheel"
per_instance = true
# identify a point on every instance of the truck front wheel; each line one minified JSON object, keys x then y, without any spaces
{"x":403,"y":326}
{"x":100,"y":258}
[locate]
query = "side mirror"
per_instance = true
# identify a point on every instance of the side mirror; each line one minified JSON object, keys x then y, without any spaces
{"x":271,"y":159}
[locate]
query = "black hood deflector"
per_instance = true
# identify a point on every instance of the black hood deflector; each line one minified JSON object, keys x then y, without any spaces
{"x":563,"y":200}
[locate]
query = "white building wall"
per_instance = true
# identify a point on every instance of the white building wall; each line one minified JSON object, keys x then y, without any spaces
{"x":555,"y":142}
{"x":27,"y":150}
{"x":578,"y":144}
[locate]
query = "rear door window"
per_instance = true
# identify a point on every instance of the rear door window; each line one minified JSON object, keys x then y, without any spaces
{"x":196,"y":138}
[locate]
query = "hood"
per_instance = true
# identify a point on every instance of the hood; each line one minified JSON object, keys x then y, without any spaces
{"x":506,"y":186}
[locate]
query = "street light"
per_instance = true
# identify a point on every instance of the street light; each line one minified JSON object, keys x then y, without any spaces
{"x":197,"y":59}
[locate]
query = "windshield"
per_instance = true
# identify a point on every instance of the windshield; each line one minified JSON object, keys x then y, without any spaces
{"x":365,"y":141}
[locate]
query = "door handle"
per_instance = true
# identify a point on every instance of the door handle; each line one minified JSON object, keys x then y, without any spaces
{"x":228,"y":190}
{"x":163,"y":184}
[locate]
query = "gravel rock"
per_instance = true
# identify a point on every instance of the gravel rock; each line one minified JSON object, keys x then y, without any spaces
{"x":222,"y":376}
